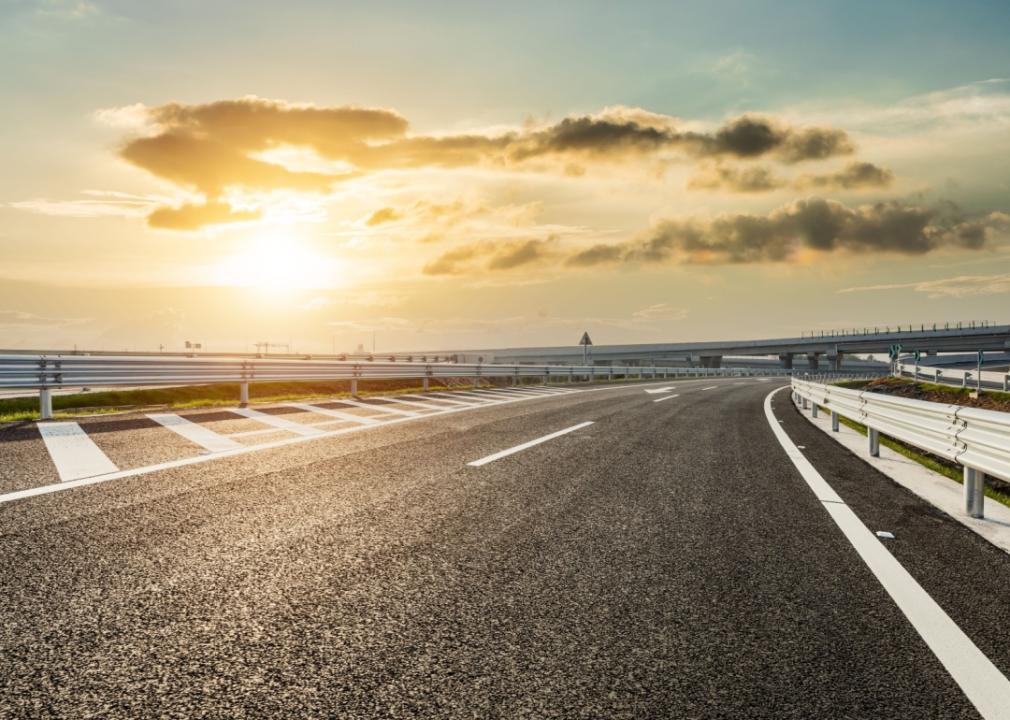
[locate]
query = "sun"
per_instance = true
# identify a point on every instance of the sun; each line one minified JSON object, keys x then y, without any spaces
{"x":277,"y":259}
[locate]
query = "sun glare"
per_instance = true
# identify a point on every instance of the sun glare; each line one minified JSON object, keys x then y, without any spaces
{"x":278,"y":260}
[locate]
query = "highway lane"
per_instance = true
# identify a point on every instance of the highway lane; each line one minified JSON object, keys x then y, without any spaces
{"x":666,"y":560}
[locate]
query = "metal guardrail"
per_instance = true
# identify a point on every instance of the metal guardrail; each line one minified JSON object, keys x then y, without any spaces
{"x":976,"y":439}
{"x":46,"y":373}
{"x":986,"y":380}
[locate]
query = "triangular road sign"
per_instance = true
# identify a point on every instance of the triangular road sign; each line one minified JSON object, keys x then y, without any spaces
{"x":585,"y":339}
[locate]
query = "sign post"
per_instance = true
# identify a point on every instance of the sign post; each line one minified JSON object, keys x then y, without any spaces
{"x":585,"y":342}
{"x":978,"y":376}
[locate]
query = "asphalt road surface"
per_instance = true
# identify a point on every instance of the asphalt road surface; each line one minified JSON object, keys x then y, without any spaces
{"x":587,"y":553}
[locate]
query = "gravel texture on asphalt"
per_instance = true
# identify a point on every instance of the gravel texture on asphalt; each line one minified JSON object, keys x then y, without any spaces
{"x":666,"y":561}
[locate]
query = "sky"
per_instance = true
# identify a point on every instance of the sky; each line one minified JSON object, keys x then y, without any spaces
{"x":453,"y":175}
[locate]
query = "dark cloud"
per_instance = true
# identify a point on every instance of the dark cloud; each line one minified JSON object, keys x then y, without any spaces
{"x":194,"y":217}
{"x":216,"y":146}
{"x":813,"y":224}
{"x":855,"y":176}
{"x":758,"y":179}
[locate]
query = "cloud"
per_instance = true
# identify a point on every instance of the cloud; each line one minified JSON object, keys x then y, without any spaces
{"x":754,"y":179}
{"x":494,"y":256}
{"x":759,"y":179}
{"x":104,"y":205}
{"x":806,"y":225}
{"x":521,"y":253}
{"x":383,"y":215}
{"x":945,"y":288}
{"x":193,"y":217}
{"x":854,"y":176}
{"x":236,"y":145}
{"x":455,"y":261}
{"x":736,"y":65}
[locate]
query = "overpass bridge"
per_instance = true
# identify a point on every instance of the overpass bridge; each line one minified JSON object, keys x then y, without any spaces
{"x":831,"y":347}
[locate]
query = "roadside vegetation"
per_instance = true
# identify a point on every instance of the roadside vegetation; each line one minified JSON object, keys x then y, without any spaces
{"x":223,"y":395}
{"x":903,"y":387}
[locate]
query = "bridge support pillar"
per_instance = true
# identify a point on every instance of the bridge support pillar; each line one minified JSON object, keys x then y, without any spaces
{"x":813,"y":360}
{"x":243,"y":394}
{"x":974,"y":492}
{"x":46,"y":404}
{"x":787,"y":361}
{"x":835,"y":361}
{"x":711,"y":361}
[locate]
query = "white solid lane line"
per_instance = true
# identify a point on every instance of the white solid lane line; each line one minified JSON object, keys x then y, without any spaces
{"x":350,"y":417}
{"x":277,"y":421}
{"x":666,"y":397}
{"x":380,"y":408}
{"x":194,"y":432}
{"x":75,"y":454}
{"x":981,"y":681}
{"x":525,"y":445}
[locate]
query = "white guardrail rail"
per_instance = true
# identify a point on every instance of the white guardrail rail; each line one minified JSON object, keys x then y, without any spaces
{"x":976,"y":439}
{"x":48,"y":372}
{"x":986,"y":380}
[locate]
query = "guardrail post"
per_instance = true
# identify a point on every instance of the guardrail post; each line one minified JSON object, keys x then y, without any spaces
{"x":974,"y":492}
{"x":424,"y":384}
{"x":354,"y":387}
{"x":813,"y":409}
{"x":874,"y":441}
{"x":243,"y":394}
{"x":964,"y":379}
{"x":1006,"y":382}
{"x":805,"y":405}
{"x":46,"y":404}
{"x":834,"y":421}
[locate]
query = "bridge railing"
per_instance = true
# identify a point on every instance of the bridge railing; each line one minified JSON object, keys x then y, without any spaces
{"x":46,"y":373}
{"x":957,"y":377}
{"x":978,"y":440}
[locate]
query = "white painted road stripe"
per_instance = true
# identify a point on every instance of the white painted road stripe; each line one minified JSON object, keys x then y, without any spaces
{"x":981,"y":681}
{"x":277,"y":421}
{"x":482,"y":398}
{"x":657,"y":391}
{"x":15,"y":495}
{"x":360,"y":419}
{"x":440,"y":399}
{"x":711,"y":387}
{"x":379,"y":407}
{"x":75,"y":454}
{"x":667,"y":397}
{"x":423,"y":405}
{"x":194,"y":432}
{"x":531,"y":443}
